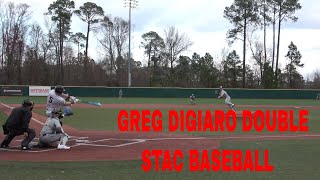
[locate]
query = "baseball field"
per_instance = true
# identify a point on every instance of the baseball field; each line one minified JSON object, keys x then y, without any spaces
{"x":100,"y":151}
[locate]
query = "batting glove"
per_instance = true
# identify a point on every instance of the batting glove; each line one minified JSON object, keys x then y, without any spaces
{"x":73,"y":99}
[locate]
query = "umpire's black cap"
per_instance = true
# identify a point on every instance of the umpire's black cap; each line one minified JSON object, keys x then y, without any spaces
{"x":27,"y":103}
{"x":59,"y":89}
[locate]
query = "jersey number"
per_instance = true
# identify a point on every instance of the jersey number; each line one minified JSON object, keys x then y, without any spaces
{"x":50,"y":100}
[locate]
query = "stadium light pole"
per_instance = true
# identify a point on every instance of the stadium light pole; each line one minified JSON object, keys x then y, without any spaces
{"x":130,"y":4}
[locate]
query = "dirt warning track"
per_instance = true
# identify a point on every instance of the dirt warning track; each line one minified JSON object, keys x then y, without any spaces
{"x":114,"y":145}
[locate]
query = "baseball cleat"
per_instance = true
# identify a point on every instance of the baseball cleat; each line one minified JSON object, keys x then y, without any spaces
{"x":232,"y":105}
{"x":4,"y":146}
{"x":25,"y":148}
{"x":63,"y":147}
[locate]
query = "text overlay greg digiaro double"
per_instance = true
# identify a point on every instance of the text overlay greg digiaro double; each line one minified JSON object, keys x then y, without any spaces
{"x":210,"y":121}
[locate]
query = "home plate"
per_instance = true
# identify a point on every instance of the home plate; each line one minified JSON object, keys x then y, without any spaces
{"x":297,"y":107}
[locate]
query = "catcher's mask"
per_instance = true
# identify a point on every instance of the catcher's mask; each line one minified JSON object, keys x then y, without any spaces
{"x":57,"y":113}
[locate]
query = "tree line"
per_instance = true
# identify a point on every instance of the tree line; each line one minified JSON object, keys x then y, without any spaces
{"x":52,"y":54}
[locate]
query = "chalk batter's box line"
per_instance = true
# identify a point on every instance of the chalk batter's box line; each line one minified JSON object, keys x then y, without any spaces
{"x":31,"y":118}
{"x":110,"y":139}
{"x":112,"y":146}
{"x":73,"y":138}
{"x":253,"y":136}
{"x":136,"y":141}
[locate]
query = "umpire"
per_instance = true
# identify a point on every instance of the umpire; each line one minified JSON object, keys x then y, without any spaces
{"x":18,"y":124}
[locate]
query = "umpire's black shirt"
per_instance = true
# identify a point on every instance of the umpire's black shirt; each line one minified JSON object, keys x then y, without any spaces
{"x":19,"y":119}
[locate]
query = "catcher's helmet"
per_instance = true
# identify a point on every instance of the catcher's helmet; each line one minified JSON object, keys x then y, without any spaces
{"x":56,"y":113}
{"x":59,"y":89}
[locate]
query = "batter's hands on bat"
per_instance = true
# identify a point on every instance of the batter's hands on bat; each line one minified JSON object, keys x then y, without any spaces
{"x":73,"y":99}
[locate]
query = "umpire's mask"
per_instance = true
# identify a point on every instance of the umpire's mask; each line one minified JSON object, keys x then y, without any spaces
{"x":28,"y":103}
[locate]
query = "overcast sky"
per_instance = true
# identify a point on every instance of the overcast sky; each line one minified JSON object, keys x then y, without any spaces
{"x":203,"y":22}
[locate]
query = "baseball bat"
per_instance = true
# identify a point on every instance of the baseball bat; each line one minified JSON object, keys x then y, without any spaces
{"x":90,"y":102}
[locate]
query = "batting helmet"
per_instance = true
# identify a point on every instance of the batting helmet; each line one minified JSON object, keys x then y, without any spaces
{"x":59,"y":89}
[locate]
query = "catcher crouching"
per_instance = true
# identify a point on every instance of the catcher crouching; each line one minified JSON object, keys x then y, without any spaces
{"x":52,"y":132}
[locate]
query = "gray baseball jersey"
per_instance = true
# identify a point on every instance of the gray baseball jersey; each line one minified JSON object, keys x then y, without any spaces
{"x":54,"y":101}
{"x":52,"y":126}
{"x":224,"y":94}
{"x":52,"y":132}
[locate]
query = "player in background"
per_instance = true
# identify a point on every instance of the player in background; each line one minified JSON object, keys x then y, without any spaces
{"x":192,"y":99}
{"x":318,"y":96}
{"x":120,"y":93}
{"x":52,"y":132}
{"x":57,"y":99}
{"x":227,"y":98}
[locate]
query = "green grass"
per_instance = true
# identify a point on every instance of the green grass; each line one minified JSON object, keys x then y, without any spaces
{"x":104,"y":100}
{"x":293,"y":160}
{"x":3,"y":118}
{"x":90,"y":119}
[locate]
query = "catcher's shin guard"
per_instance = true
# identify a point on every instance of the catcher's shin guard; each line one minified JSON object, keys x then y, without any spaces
{"x":63,"y":142}
{"x":64,"y":139}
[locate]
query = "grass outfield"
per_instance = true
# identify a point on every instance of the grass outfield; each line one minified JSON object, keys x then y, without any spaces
{"x":90,"y":119}
{"x":3,"y":118}
{"x":293,"y":160}
{"x":103,"y":100}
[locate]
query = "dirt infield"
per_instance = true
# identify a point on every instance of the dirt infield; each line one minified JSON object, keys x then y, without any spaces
{"x":113,"y":145}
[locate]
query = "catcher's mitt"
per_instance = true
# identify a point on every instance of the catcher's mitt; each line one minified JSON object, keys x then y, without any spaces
{"x":217,"y":92}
